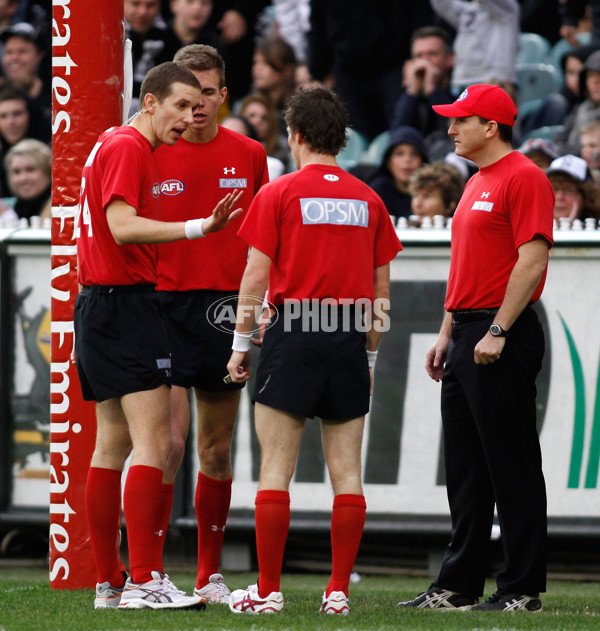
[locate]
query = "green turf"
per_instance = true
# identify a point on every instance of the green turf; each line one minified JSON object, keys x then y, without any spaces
{"x":27,"y":603}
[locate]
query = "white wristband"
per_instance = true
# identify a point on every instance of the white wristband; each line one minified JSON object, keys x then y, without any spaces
{"x":241,"y":342}
{"x":193,"y":229}
{"x":372,"y":358}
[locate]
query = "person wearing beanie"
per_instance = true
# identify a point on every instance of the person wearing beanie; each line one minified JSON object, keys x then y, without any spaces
{"x":405,"y":153}
{"x":568,"y":140}
{"x":487,"y":356}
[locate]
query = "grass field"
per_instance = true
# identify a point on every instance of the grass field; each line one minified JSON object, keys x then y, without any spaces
{"x":28,"y":604}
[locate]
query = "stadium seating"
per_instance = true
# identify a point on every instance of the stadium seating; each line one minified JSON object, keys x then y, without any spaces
{"x":535,"y":81}
{"x":533,"y":49}
{"x":377,"y":148}
{"x":353,"y":153}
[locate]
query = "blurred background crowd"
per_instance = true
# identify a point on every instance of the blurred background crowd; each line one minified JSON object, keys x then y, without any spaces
{"x":389,"y":60}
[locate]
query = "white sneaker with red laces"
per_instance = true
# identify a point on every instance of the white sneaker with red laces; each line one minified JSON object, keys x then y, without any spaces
{"x":248,"y":601}
{"x":215,"y":591}
{"x":335,"y":603}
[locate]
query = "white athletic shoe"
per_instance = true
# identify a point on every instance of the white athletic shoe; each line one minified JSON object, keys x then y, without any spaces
{"x":159,"y":593}
{"x":215,"y":591}
{"x":336,"y":602}
{"x":248,"y":601}
{"x":108,"y":596}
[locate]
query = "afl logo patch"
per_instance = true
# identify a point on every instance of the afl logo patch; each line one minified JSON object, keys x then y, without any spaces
{"x":330,"y":177}
{"x":172,"y":187}
{"x":155,"y":190}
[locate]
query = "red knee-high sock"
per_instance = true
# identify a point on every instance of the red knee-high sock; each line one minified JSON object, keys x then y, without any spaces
{"x":212,"y":501}
{"x":166,"y":505}
{"x":103,"y":509}
{"x":272,"y":526}
{"x":142,"y":501}
{"x":347,"y":524}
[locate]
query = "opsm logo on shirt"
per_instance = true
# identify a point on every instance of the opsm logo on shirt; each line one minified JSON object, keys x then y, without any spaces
{"x":233,"y":182}
{"x":336,"y":212}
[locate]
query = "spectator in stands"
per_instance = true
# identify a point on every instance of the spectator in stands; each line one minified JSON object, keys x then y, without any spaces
{"x":576,"y":195}
{"x":244,"y":126}
{"x":539,"y":151}
{"x":273,"y":73}
{"x":572,"y":12}
{"x":29,"y":168}
{"x":590,"y":148}
{"x":426,"y":83}
{"x":8,"y":9}
{"x":555,"y":108}
{"x":292,"y":23}
{"x":359,"y":49}
{"x":262,"y":115}
{"x":486,"y":42}
{"x":236,"y":21}
{"x":17,"y":121}
{"x":189,"y":25}
{"x":435,"y":189}
{"x":147,"y":31}
{"x":24,"y":50}
{"x":568,"y":140}
{"x":405,"y":153}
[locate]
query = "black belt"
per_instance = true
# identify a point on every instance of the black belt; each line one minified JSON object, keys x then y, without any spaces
{"x":107,"y":290}
{"x":472,"y":315}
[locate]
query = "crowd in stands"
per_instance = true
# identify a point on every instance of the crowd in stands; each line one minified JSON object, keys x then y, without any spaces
{"x":25,"y":109}
{"x":389,"y":61}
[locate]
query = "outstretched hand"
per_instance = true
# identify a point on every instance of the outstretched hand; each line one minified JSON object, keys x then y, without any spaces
{"x":224,"y":212}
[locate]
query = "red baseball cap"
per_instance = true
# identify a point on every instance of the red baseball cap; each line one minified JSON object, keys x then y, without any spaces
{"x":488,"y":101}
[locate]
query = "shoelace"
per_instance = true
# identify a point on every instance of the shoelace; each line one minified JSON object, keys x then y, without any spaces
{"x":167,"y":581}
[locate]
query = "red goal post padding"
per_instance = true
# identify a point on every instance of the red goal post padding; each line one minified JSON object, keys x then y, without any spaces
{"x":87,"y":85}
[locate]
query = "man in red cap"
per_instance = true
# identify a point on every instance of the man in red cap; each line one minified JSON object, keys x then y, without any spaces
{"x":488,"y":353}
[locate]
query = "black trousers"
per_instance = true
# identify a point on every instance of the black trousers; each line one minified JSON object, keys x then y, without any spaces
{"x":493,"y":457}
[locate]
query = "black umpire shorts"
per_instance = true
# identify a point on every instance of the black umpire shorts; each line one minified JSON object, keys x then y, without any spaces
{"x":316,"y":373}
{"x":120,"y":341}
{"x":200,"y":351}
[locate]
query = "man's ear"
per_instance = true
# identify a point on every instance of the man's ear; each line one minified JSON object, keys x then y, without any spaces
{"x":492,"y":128}
{"x":150,"y":102}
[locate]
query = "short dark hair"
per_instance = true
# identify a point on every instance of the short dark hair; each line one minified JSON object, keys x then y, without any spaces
{"x":201,"y":57}
{"x":161,"y":78}
{"x":432,"y":31}
{"x":320,"y":116}
{"x":505,"y":132}
{"x":11,"y":93}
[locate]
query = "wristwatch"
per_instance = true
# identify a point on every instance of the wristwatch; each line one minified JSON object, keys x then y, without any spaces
{"x":497,"y":331}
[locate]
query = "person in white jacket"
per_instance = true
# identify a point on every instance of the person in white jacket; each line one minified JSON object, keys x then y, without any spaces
{"x":486,"y":43}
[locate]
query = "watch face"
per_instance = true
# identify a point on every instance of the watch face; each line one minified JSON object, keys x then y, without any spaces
{"x":496,"y":330}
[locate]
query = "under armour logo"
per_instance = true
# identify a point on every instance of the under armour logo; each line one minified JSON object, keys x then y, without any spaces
{"x":226,"y":170}
{"x":216,"y":528}
{"x":159,"y":533}
{"x":485,"y":195}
